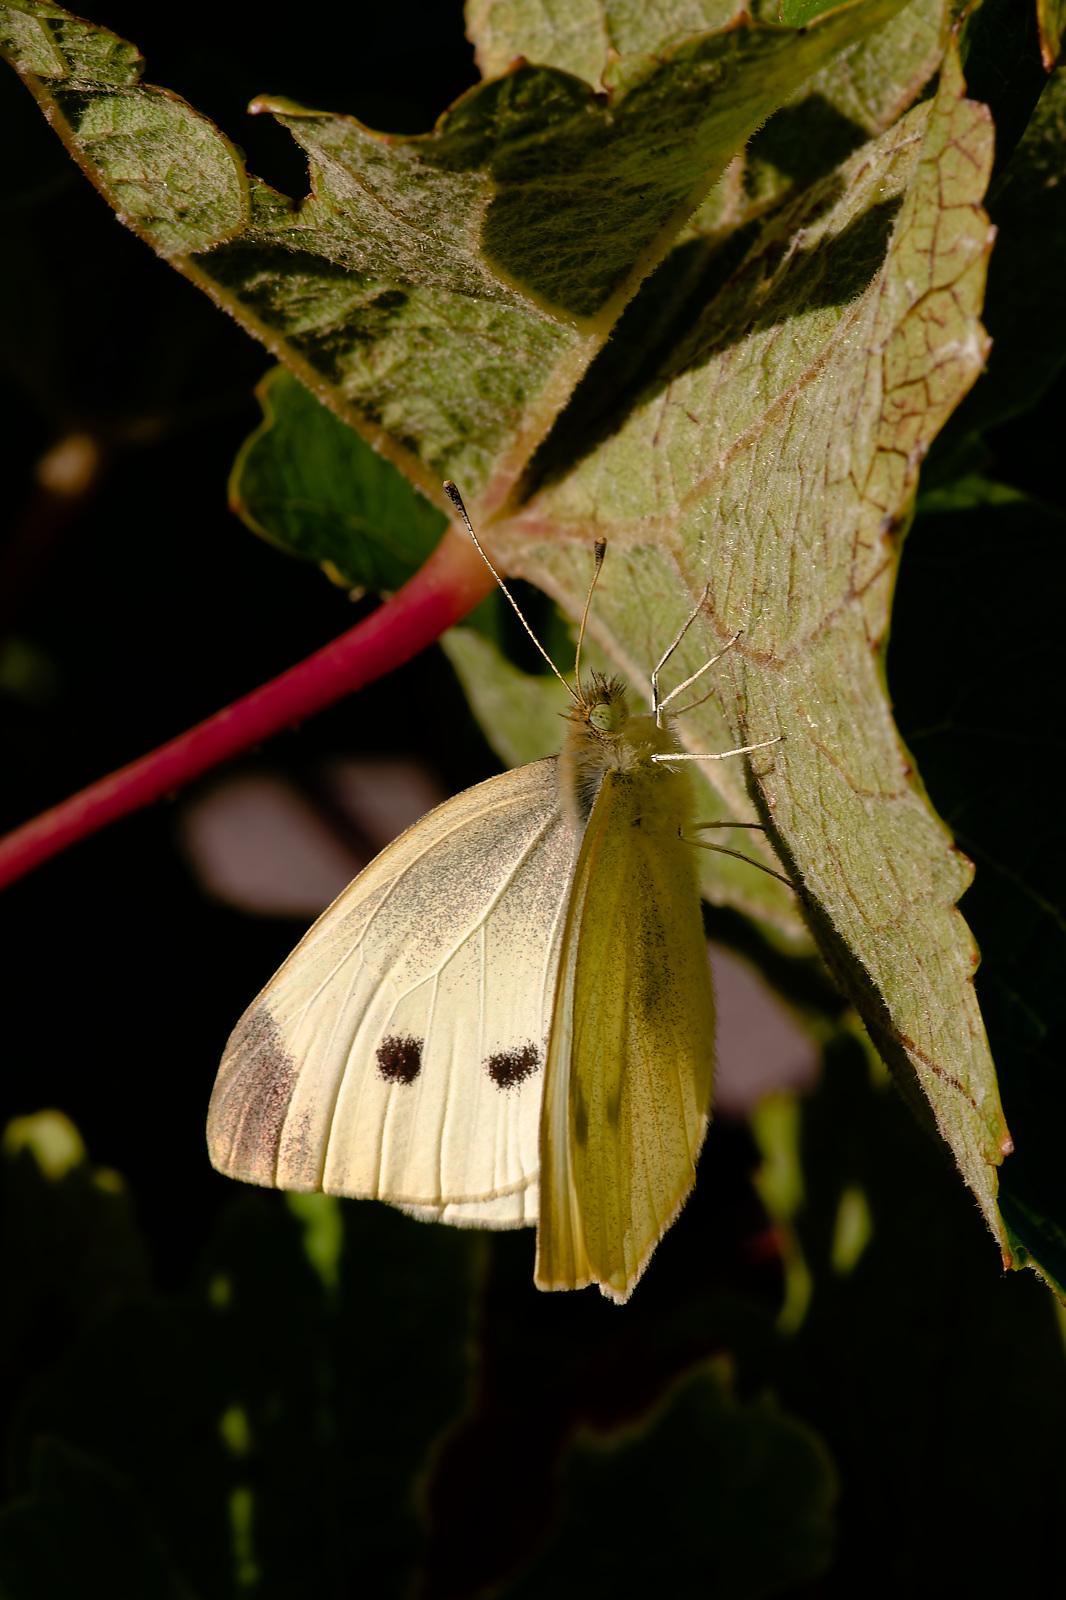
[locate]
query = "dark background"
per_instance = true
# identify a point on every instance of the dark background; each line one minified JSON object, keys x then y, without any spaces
{"x":935,"y":1383}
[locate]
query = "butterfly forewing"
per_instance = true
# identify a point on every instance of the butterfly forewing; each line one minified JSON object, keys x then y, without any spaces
{"x":398,"y":1054}
{"x":630,"y":1067}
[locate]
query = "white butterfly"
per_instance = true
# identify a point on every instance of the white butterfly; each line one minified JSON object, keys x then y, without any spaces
{"x":507,"y":1018}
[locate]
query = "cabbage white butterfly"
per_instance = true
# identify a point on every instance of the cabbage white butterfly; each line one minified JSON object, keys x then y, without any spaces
{"x":507,"y":1018}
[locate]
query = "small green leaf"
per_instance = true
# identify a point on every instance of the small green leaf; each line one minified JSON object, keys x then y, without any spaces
{"x":962,"y":494}
{"x":521,"y":715}
{"x":311,"y":485}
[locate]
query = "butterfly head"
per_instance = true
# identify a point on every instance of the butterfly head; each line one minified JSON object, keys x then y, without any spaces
{"x":604,"y":736}
{"x":603,"y":707}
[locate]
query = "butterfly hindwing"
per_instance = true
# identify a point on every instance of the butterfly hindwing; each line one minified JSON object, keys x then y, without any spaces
{"x":630,"y":1067}
{"x":398,"y":1054}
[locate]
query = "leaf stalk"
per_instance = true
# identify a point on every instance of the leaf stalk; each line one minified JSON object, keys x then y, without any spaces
{"x":450,"y":584}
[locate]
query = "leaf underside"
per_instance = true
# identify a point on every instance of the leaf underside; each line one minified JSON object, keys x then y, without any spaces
{"x":442,"y":292}
{"x":780,"y":469}
{"x":786,"y":346}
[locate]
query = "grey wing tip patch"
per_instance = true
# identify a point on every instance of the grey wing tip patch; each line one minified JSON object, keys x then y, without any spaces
{"x":251,"y":1100}
{"x":510,"y":1068}
{"x":399,"y":1058}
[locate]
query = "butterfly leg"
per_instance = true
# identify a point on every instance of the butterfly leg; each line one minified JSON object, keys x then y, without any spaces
{"x":668,"y":652}
{"x":659,"y":706}
{"x":723,"y":850}
{"x":722,"y":755}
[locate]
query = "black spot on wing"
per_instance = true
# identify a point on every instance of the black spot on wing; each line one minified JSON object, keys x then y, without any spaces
{"x":252,"y":1115}
{"x":399,"y":1058}
{"x":512,"y":1067}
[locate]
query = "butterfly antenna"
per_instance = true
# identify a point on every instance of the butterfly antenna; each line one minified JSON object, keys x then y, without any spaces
{"x":457,"y":501}
{"x":600,"y":550}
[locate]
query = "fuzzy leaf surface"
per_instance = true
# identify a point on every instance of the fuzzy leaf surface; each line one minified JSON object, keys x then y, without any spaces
{"x":778,"y":469}
{"x":443,"y":293}
{"x":871,"y":82}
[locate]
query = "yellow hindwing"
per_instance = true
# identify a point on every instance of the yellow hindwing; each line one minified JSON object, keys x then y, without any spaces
{"x":630,"y":1060}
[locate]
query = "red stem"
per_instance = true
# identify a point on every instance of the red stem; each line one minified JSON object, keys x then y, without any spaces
{"x":441,"y":593}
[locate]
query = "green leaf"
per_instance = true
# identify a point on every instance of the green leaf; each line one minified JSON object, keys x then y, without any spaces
{"x":779,"y":468}
{"x":47,"y":41}
{"x":872,"y":82}
{"x":862,"y":92}
{"x":445,"y":292}
{"x":311,"y":485}
{"x":875,"y":81}
{"x":568,"y":34}
{"x":169,"y":174}
{"x":301,"y":1340}
{"x":577,"y":37}
{"x":716,"y":1497}
{"x":866,"y":87}
{"x":798,"y":13}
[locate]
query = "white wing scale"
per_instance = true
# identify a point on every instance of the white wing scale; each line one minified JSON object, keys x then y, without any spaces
{"x":398,"y":1054}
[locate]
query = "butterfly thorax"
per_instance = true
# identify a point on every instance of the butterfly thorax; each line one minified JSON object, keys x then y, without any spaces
{"x":603,"y":736}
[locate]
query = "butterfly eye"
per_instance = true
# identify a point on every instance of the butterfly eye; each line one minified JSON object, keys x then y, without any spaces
{"x":608,"y":716}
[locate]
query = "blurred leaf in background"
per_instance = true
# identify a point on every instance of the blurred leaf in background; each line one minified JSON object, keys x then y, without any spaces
{"x":82,"y":1530}
{"x":273,"y":1418}
{"x":733,"y":1500}
{"x":899,"y":1326}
